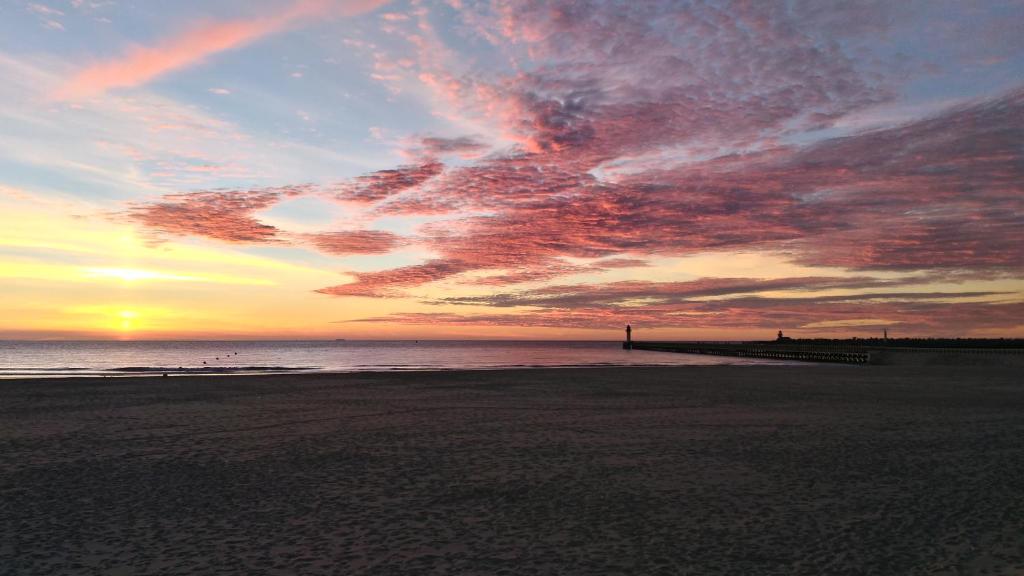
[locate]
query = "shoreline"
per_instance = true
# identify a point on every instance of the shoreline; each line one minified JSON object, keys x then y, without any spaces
{"x":312,"y":373}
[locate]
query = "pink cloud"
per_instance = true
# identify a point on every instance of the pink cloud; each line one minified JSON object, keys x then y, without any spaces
{"x":536,"y":273}
{"x":385,"y":283}
{"x":464,"y":146}
{"x":354,"y":242}
{"x":140,"y":64}
{"x":230,"y":216}
{"x":550,"y":269}
{"x":600,"y":79}
{"x":940,"y":193}
{"x":383,"y":184}
{"x":622,"y":294}
{"x":225,"y":215}
{"x":613,"y":263}
{"x":918,"y":315}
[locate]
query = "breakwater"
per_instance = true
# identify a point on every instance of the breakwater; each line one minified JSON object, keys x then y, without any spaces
{"x":843,"y":352}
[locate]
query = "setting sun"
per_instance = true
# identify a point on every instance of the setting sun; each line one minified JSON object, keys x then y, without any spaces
{"x":127,"y":318}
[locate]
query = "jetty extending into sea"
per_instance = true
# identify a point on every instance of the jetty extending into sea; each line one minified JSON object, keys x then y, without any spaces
{"x":903,"y":351}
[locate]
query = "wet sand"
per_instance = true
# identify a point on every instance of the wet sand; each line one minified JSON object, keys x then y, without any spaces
{"x":694,"y":470}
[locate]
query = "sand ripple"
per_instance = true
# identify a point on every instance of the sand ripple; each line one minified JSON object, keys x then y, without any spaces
{"x":718,"y":470}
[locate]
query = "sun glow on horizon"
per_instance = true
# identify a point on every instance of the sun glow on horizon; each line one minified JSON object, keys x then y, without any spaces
{"x":136,"y":274}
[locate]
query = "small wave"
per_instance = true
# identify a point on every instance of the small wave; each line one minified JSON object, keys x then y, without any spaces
{"x":37,"y":374}
{"x":149,"y":370}
{"x":211,"y":369}
{"x":58,"y":369}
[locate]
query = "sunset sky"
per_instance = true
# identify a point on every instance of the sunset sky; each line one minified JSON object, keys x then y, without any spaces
{"x":511,"y":169}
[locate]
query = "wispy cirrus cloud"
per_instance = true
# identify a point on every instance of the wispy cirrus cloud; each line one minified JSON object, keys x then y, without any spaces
{"x":625,"y":292}
{"x":912,"y":314}
{"x":49,"y":17}
{"x":140,"y":64}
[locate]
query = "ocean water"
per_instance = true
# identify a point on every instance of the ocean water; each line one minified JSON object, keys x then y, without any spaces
{"x":80,"y":358}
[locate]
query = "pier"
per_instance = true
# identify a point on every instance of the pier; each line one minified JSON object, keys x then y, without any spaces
{"x":871,"y":351}
{"x":768,"y":350}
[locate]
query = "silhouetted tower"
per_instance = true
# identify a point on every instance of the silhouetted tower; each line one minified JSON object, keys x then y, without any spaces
{"x":780,"y":335}
{"x":628,"y":344}
{"x":885,"y":334}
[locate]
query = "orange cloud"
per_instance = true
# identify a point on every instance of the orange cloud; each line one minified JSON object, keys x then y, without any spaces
{"x":140,"y":64}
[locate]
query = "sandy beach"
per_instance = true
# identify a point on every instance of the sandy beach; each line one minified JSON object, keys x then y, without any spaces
{"x":693,"y":470}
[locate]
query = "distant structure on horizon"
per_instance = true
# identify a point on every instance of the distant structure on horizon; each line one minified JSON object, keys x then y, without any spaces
{"x":781,"y":338}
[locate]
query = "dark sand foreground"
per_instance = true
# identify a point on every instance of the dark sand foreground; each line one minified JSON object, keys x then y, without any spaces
{"x":694,"y":470}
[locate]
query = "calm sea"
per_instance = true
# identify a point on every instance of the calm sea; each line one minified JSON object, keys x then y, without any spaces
{"x":39,"y":359}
